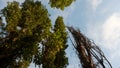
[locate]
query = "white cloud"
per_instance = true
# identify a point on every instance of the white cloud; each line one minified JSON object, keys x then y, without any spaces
{"x":107,"y":34}
{"x":95,"y":3}
{"x":111,"y":37}
{"x":111,"y":31}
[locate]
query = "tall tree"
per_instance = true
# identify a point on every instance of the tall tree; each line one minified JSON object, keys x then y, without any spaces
{"x":27,"y":26}
{"x":61,"y":60}
{"x":54,"y":50}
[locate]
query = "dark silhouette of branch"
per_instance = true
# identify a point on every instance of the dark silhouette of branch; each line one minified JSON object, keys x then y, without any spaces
{"x":90,"y":55}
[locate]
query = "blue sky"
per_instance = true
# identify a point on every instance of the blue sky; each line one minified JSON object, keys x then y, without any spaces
{"x":97,"y":19}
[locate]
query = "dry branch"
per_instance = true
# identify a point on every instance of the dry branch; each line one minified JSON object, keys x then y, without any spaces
{"x":90,"y":55}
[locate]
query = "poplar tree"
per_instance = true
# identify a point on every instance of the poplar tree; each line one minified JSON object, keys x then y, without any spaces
{"x":61,"y":60}
{"x":55,"y":45}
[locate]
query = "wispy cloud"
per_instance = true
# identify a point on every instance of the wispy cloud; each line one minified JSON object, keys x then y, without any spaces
{"x":111,"y":31}
{"x":95,"y":3}
{"x":111,"y":36}
{"x":107,"y":35}
{"x":108,"y":32}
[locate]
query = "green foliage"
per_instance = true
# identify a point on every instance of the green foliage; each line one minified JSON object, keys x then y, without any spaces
{"x":12,"y":14}
{"x":61,"y":60}
{"x":61,"y":4}
{"x":23,"y":44}
{"x":54,"y":51}
{"x":27,"y":36}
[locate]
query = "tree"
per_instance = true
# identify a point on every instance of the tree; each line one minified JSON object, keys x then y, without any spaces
{"x":27,"y":26}
{"x":61,"y":4}
{"x":61,"y":60}
{"x":54,"y":50}
{"x":89,"y":54}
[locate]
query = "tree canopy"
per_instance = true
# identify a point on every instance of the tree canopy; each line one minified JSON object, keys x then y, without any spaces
{"x":28,"y":36}
{"x":53,"y":52}
{"x":61,"y":4}
{"x":25,"y":28}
